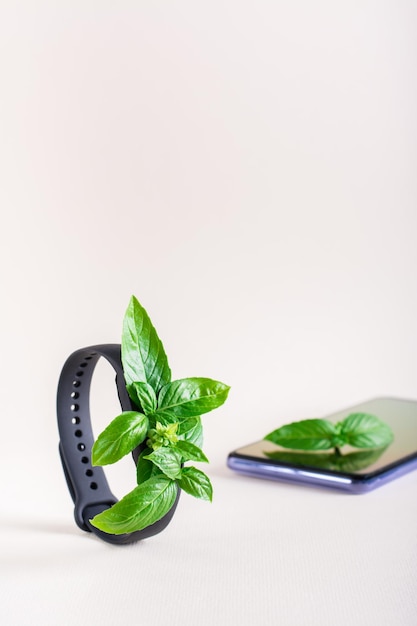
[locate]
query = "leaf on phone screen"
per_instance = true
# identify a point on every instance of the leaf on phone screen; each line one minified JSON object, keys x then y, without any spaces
{"x":363,"y":430}
{"x":310,"y":434}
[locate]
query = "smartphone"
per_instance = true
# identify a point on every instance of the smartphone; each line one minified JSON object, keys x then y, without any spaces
{"x":353,"y":470}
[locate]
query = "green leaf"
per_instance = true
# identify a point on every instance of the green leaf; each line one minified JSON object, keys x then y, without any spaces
{"x":190,"y":452}
{"x":121,"y":436}
{"x":363,"y":430}
{"x":351,"y":462}
{"x":143,"y":356}
{"x":168,"y":459}
{"x":143,"y":506}
{"x":311,"y":434}
{"x":145,"y":469}
{"x":196,"y":483}
{"x":143,"y":396}
{"x":191,"y":430}
{"x":190,"y":397}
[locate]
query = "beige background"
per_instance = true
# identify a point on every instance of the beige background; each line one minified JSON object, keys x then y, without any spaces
{"x":247,"y":169}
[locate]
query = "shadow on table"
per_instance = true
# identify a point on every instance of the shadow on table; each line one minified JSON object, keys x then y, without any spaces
{"x":38,"y":526}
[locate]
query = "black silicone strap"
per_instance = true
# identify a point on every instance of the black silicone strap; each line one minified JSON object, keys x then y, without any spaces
{"x":88,"y":485}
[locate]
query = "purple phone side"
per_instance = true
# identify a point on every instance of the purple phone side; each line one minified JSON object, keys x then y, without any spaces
{"x":308,"y":476}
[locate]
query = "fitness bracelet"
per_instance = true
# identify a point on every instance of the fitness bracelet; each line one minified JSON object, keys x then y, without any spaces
{"x":87,"y":485}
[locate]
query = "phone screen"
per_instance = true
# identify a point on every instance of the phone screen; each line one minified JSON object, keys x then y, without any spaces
{"x":400,"y":415}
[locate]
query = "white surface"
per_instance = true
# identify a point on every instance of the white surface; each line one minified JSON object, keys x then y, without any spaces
{"x":247,"y":169}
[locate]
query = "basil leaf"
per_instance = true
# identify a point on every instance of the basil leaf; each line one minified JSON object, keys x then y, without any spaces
{"x":363,"y":430}
{"x":311,"y":434}
{"x":351,"y":462}
{"x":190,"y":452}
{"x":120,"y":437}
{"x":191,"y":430}
{"x":143,"y":506}
{"x":196,"y":483}
{"x":143,"y":356}
{"x":143,"y":396}
{"x":189,"y":397}
{"x":145,"y":469}
{"x":167,"y":459}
